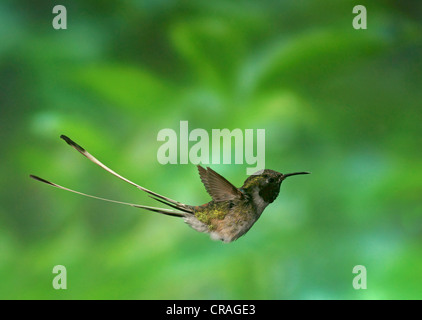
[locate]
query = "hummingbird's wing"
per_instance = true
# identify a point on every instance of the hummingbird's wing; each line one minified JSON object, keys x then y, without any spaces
{"x":168,"y":201}
{"x":168,"y":212}
{"x":217,"y":186}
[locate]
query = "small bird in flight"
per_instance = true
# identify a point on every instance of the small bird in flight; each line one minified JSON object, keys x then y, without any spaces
{"x":229,"y":215}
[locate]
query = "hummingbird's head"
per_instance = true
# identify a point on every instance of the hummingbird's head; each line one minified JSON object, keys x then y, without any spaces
{"x":267,"y":182}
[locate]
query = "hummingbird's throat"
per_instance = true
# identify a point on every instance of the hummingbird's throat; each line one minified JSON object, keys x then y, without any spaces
{"x":269,"y":193}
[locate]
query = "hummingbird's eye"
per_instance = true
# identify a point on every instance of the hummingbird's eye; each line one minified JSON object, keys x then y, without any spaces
{"x":271,"y":180}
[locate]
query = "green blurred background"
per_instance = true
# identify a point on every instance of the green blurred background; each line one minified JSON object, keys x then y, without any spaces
{"x":344,"y":104}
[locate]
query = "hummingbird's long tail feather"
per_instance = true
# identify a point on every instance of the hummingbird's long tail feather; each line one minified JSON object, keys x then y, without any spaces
{"x":81,"y":150}
{"x":173,"y":206}
{"x":168,"y":212}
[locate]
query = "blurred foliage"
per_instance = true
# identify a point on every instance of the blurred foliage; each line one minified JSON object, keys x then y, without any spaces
{"x":344,"y":104}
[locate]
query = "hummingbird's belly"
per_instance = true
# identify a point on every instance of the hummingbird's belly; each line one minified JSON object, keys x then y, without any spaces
{"x":223,"y":221}
{"x":231,"y":230}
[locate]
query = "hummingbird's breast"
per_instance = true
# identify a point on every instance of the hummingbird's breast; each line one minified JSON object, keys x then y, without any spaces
{"x":224,"y":220}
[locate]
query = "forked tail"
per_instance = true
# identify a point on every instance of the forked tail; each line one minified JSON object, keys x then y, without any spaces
{"x":186,"y":210}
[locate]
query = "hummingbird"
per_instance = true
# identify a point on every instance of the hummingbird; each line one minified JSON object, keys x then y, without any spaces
{"x":229,"y":215}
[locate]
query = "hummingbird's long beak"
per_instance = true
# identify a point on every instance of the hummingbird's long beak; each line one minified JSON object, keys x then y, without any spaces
{"x":293,"y":174}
